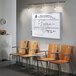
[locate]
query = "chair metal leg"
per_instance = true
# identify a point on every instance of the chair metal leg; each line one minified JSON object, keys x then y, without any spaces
{"x":59,"y":68}
{"x":71,"y":68}
{"x":29,"y":63}
{"x":22,"y":61}
{"x":41,"y":65}
{"x":16,"y":59}
{"x":46,"y":67}
{"x":26,"y":63}
{"x":34,"y":62}
{"x":9,"y":60}
{"x":37,"y":66}
{"x":19,"y":59}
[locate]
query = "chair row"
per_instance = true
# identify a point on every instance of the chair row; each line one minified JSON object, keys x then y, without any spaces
{"x":28,"y":49}
{"x":25,"y":49}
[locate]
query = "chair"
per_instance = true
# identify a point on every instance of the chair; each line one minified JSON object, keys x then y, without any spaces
{"x":21,"y":50}
{"x":52,"y":49}
{"x":32,"y":49}
{"x":64,"y":57}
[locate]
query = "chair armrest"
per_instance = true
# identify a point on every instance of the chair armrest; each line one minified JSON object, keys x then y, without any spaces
{"x":40,"y":55}
{"x":43,"y":51}
{"x":67,"y":54}
{"x":15,"y":47}
{"x":55,"y":53}
{"x":23,"y":48}
{"x":33,"y":49}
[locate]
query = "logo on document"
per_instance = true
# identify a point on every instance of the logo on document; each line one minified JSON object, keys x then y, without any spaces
{"x":35,"y":16}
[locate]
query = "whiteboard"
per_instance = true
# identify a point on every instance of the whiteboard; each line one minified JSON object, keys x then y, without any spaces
{"x":46,"y":25}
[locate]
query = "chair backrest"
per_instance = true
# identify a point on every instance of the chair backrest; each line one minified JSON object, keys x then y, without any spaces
{"x":23,"y":44}
{"x":52,"y":49}
{"x":33,"y":46}
{"x":65,"y":52}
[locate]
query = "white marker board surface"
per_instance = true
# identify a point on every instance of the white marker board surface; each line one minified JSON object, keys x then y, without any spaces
{"x":46,"y":25}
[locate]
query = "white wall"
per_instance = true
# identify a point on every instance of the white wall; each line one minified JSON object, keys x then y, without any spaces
{"x":0,"y":8}
{"x":0,"y":17}
{"x":1,"y":3}
{"x":8,"y":12}
{"x":68,"y":27}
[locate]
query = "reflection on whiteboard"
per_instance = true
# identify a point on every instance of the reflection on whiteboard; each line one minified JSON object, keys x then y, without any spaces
{"x":46,"y":25}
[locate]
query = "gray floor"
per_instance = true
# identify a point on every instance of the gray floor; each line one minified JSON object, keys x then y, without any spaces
{"x":15,"y":70}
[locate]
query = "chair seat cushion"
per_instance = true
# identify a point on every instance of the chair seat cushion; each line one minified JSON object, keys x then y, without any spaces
{"x":46,"y":59}
{"x":25,"y":56}
{"x":59,"y":61}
